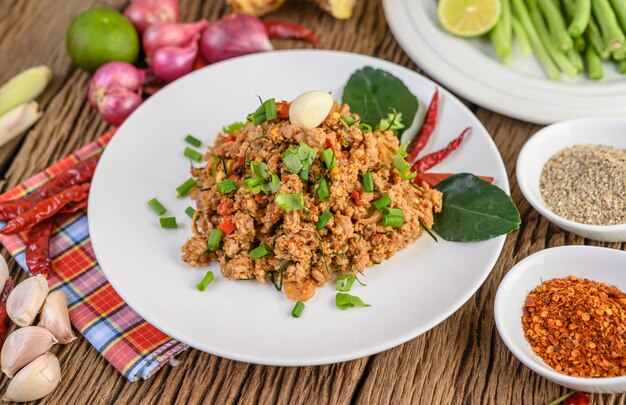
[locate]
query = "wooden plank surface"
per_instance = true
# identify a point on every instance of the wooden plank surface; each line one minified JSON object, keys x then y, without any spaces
{"x":462,"y":360}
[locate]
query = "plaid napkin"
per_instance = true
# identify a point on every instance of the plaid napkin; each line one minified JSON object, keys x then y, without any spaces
{"x":133,"y":346}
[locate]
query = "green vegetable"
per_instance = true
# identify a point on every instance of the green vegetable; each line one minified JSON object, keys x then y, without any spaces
{"x":556,"y":54}
{"x":259,"y":169}
{"x":373,"y":93}
{"x":186,"y":187}
{"x":344,"y":282}
{"x":229,"y":129}
{"x":555,"y":21}
{"x":368,"y":183}
{"x":622,"y":66}
{"x":205,"y":281}
{"x":474,"y":210}
{"x":190,"y":212}
{"x":381,"y":202}
{"x":611,"y":31}
{"x":522,"y":37}
{"x":323,"y":192}
{"x":157,"y":206}
{"x":501,"y":35}
{"x":594,"y":64}
{"x":266,"y":112}
{"x":226,"y":186}
{"x":299,"y":158}
{"x":193,"y":141}
{"x":428,"y":231}
{"x":402,"y":165}
{"x":619,"y":7}
{"x":346,"y":301}
{"x":323,"y":220}
{"x":348,"y":120}
{"x":580,"y":20}
{"x":290,"y":202}
{"x":328,"y":155}
{"x":168,"y":222}
{"x":260,"y":251}
{"x":393,"y":217}
{"x":193,"y":154}
{"x":252,"y":182}
{"x":214,"y":239}
{"x":297,"y":309}
{"x":363,"y":127}
{"x":393,"y":122}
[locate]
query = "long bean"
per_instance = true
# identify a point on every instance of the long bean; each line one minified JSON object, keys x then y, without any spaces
{"x":619,"y":6}
{"x":500,"y":35}
{"x":521,"y":36}
{"x":576,"y":60}
{"x":594,"y":64}
{"x":622,"y":66}
{"x":580,"y":44}
{"x":594,"y":36}
{"x":607,"y":21}
{"x":559,"y":58}
{"x":580,"y":18}
{"x":556,"y":23}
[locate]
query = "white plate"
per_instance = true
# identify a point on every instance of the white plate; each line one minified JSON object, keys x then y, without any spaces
{"x":594,"y":263}
{"x":521,"y":90}
{"x":411,"y":293}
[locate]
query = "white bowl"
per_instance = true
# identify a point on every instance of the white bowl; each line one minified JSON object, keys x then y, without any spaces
{"x":554,"y":138}
{"x":594,"y":263}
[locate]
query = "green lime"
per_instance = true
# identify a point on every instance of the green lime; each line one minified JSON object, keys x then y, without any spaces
{"x":99,"y":36}
{"x":468,"y":18}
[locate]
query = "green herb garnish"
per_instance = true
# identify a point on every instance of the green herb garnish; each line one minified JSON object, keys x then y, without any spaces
{"x":299,"y":158}
{"x":205,"y":281}
{"x":323,"y":192}
{"x":403,"y":167}
{"x":381,"y":202}
{"x":260,"y":251}
{"x":190,"y":212}
{"x":266,"y":112}
{"x":428,"y":231}
{"x":290,"y":202}
{"x":328,"y":155}
{"x":365,"y":127}
{"x":226,"y":186}
{"x":393,"y":217}
{"x":214,"y":239}
{"x":368,"y":183}
{"x":229,"y":129}
{"x":345,"y":281}
{"x":193,"y":154}
{"x":348,"y":120}
{"x":345,"y":301}
{"x":323,"y":220}
{"x":157,"y":206}
{"x":193,"y":141}
{"x":186,"y":187}
{"x":297,"y":309}
{"x":168,"y":222}
{"x":393,"y":122}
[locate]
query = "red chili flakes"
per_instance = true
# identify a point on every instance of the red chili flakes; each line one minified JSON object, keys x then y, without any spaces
{"x":578,"y":327}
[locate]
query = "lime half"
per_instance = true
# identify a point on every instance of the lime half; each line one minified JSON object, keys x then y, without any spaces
{"x":468,"y":18}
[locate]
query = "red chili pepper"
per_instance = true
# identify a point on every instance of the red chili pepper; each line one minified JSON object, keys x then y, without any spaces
{"x":240,"y":161}
{"x":356,"y":196}
{"x":5,"y":321}
{"x":233,"y":177}
{"x":282,"y":110}
{"x":224,"y":208}
{"x":432,"y":179}
{"x":227,"y":226}
{"x":81,"y":173}
{"x":75,"y":207}
{"x":46,"y":208}
{"x":38,"y":257}
{"x":230,"y":138}
{"x":579,"y":398}
{"x":277,"y":29}
{"x":423,"y":136}
{"x":431,"y":160}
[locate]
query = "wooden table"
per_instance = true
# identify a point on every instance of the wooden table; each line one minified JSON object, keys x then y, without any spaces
{"x":463,"y":360}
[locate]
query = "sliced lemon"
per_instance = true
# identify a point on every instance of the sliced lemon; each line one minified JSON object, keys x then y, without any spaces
{"x":468,"y":18}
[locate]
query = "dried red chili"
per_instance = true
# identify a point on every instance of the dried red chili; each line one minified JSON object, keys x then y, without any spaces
{"x":46,"y":208}
{"x":577,"y":327}
{"x":356,"y":196}
{"x":423,"y":136}
{"x":432,"y":159}
{"x":75,"y":207}
{"x":80,"y":173}
{"x":38,"y":257}
{"x":282,"y":109}
{"x":277,"y":29}
{"x":579,"y":398}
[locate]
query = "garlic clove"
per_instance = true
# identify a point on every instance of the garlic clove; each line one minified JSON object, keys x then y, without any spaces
{"x":56,"y":318}
{"x":310,"y":109}
{"x":39,"y":378}
{"x":26,"y":300}
{"x":23,"y":346}
{"x":4,"y":272}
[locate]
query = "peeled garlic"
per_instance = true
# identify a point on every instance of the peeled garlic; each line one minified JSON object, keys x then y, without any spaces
{"x":23,"y":346}
{"x":36,"y":380}
{"x":26,"y":300}
{"x":56,"y":318}
{"x":4,"y":272}
{"x":310,"y":109}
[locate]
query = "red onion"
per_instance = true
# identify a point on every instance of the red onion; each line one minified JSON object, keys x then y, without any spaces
{"x":144,"y":13}
{"x":169,"y":63}
{"x":234,"y":35}
{"x":170,"y":34}
{"x":115,"y":90}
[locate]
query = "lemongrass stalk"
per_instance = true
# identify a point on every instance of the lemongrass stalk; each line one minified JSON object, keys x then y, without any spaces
{"x":559,"y":57}
{"x":540,"y":51}
{"x":555,"y":21}
{"x":18,"y":120}
{"x":580,"y":18}
{"x":576,"y":60}
{"x":607,"y":21}
{"x":594,"y":64}
{"x":521,"y":36}
{"x":24,"y":87}
{"x":619,"y":6}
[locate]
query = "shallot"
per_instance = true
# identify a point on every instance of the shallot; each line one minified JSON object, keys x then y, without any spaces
{"x":170,"y":62}
{"x":170,"y":34}
{"x":234,"y":35}
{"x":144,"y":13}
{"x":115,"y":90}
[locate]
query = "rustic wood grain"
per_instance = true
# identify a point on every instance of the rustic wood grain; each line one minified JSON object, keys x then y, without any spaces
{"x":463,"y":360}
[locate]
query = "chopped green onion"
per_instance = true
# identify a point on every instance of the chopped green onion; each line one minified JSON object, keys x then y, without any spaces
{"x":365,"y":127}
{"x":403,"y":167}
{"x":297,"y":309}
{"x":270,"y":109}
{"x":190,"y":212}
{"x":260,"y":251}
{"x":259,"y":169}
{"x":266,"y":112}
{"x":304,"y":174}
{"x":323,"y":220}
{"x":226,"y":186}
{"x":214,"y":239}
{"x":346,"y":301}
{"x":157,"y":206}
{"x":193,"y":154}
{"x":393,"y":217}
{"x":368,"y":183}
{"x":382,"y":202}
{"x":216,"y":161}
{"x":345,"y":281}
{"x":186,"y":187}
{"x":168,"y":222}
{"x":252,"y":182}
{"x":329,"y":158}
{"x":205,"y":281}
{"x":348,"y":120}
{"x":229,"y":129}
{"x":290,"y":202}
{"x":323,"y":192}
{"x":193,"y":141}
{"x":428,"y":231}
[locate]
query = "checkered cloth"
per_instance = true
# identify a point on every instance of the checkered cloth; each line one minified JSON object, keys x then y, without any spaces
{"x":133,"y":346}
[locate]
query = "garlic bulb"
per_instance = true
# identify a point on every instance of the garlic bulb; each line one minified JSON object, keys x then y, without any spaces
{"x":36,"y":380}
{"x":26,"y":300}
{"x":4,"y":272}
{"x":23,"y":346}
{"x":56,"y":318}
{"x":310,"y":109}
